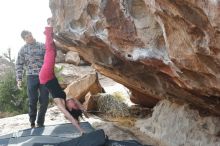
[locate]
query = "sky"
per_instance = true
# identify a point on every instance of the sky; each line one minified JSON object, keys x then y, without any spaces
{"x":18,"y":15}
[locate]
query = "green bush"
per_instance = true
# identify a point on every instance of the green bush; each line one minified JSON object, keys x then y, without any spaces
{"x":12,"y":99}
{"x":57,"y":71}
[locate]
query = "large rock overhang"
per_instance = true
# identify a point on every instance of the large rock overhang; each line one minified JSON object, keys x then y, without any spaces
{"x":156,"y":48}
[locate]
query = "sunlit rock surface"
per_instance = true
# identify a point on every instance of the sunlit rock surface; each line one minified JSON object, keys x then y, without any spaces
{"x":60,"y":58}
{"x":178,"y":125}
{"x":156,"y":48}
{"x":80,"y":87}
{"x":72,"y":58}
{"x":68,"y":73}
{"x":54,"y":117}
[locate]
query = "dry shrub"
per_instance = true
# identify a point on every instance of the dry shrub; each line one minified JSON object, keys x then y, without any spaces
{"x":123,"y":121}
{"x":112,"y":106}
{"x":119,"y":96}
{"x":6,"y":114}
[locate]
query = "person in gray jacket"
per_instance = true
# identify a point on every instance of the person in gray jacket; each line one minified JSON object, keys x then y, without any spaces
{"x":30,"y":58}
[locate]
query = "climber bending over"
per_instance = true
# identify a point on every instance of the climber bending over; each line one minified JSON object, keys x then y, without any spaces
{"x":71,"y":108}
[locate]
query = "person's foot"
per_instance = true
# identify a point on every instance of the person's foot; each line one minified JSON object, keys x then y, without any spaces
{"x":32,"y":125}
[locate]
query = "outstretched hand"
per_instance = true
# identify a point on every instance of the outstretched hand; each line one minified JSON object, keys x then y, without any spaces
{"x":82,"y":132}
{"x":19,"y":85}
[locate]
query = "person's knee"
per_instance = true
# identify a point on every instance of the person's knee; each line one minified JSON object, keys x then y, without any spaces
{"x":33,"y":101}
{"x":43,"y":100}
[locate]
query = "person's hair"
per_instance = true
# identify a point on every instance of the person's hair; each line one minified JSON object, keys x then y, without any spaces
{"x":24,"y":33}
{"x":75,"y":113}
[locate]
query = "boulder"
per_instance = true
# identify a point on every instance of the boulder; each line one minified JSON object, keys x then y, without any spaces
{"x":90,"y":103}
{"x":158,"y":49}
{"x":80,"y":87}
{"x":72,"y":58}
{"x":68,"y":73}
{"x":60,"y":58}
{"x":173,"y":124}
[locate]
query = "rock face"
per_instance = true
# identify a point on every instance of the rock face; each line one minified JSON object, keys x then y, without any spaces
{"x":80,"y":87}
{"x":60,"y":58}
{"x":72,"y":57}
{"x":68,"y":73}
{"x":156,"y":48}
{"x":54,"y":116}
{"x":184,"y":127}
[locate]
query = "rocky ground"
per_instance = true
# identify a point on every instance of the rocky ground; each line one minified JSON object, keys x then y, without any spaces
{"x":113,"y":129}
{"x":117,"y":129}
{"x":169,"y":124}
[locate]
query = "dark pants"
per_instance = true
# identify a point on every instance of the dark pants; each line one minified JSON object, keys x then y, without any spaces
{"x":37,"y":92}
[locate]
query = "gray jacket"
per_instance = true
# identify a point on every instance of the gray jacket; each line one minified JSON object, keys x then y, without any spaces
{"x":30,"y":58}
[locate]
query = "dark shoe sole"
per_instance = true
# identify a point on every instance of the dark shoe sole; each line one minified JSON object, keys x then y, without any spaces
{"x":32,"y":125}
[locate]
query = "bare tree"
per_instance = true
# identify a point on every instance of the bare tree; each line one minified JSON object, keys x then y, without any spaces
{"x":8,"y":56}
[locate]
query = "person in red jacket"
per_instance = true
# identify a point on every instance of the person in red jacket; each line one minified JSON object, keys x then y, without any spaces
{"x":71,"y":108}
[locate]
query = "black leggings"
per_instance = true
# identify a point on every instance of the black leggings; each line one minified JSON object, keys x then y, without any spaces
{"x":54,"y":88}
